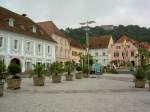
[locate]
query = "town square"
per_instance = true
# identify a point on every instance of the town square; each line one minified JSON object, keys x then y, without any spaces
{"x":92,"y":57}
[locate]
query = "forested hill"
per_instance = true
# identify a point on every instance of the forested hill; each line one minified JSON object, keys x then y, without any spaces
{"x":132,"y":31}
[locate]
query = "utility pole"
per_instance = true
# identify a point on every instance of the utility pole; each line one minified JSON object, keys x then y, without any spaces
{"x":86,"y":25}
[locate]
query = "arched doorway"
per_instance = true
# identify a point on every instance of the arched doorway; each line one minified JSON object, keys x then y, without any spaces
{"x":16,"y":61}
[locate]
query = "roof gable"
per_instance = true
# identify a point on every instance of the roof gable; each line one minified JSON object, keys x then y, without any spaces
{"x":22,"y":25}
{"x":98,"y":42}
{"x":51,"y":28}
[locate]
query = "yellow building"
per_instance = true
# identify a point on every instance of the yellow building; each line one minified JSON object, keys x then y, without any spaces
{"x":76,"y":50}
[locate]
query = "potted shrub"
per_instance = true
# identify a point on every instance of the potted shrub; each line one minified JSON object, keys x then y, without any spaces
{"x":79,"y":72}
{"x":85,"y":71}
{"x":147,"y":73}
{"x":14,"y":81}
{"x":39,"y":74}
{"x":55,"y":69}
{"x":2,"y":77}
{"x":139,"y":78}
{"x":148,"y":78}
{"x":69,"y":67}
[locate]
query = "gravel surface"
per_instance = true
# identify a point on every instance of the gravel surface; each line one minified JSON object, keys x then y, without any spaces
{"x":106,"y":94}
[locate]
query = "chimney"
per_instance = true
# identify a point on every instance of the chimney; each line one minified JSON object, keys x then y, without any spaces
{"x":24,"y":15}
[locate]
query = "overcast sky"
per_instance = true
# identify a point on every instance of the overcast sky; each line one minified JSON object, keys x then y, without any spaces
{"x":69,"y":13}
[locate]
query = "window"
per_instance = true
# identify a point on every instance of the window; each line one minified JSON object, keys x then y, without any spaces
{"x":104,"y":53}
{"x":128,"y":46}
{"x":116,"y":54}
{"x":1,"y":41}
{"x":34,"y":29}
{"x":118,"y":47}
{"x":104,"y":60}
{"x":132,"y":53}
{"x":48,"y":49}
{"x":126,"y":53}
{"x":22,"y":27}
{"x":96,"y":54}
{"x":28,"y":46}
{"x":74,"y":53}
{"x":11,"y":22}
{"x":15,"y":44}
{"x":39,"y":48}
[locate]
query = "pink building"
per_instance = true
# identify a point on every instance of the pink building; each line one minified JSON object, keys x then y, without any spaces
{"x":125,"y":50}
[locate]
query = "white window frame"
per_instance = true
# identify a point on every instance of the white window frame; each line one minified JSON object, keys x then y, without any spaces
{"x":39,"y":51}
{"x":28,"y":50}
{"x":2,"y":44}
{"x":17,"y":46}
{"x":49,"y":50}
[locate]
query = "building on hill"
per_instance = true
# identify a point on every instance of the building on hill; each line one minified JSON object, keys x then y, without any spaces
{"x":63,"y":42}
{"x":125,"y":50}
{"x":77,"y":50}
{"x":107,"y":27}
{"x":100,"y":49}
{"x":23,"y":42}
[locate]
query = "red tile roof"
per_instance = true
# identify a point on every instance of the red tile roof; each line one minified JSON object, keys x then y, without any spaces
{"x":51,"y":28}
{"x":20,"y":21}
{"x":97,"y":42}
{"x":76,"y":43}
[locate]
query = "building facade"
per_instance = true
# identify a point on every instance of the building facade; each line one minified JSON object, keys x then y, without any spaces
{"x":77,"y":50}
{"x":23,"y":42}
{"x":63,"y":42}
{"x":125,"y":50}
{"x":100,"y":49}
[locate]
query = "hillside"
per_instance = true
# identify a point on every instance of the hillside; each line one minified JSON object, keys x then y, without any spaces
{"x":133,"y":31}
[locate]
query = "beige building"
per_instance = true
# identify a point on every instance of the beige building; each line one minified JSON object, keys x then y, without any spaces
{"x":63,"y":43}
{"x":76,"y":50}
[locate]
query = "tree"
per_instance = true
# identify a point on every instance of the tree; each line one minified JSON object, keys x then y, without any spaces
{"x":143,"y":56}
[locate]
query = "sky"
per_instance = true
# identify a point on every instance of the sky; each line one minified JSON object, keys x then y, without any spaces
{"x":69,"y":13}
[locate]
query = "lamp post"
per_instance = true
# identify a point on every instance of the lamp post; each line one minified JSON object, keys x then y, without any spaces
{"x":86,"y":24}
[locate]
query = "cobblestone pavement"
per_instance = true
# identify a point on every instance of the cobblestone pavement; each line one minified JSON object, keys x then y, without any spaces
{"x":106,"y":94}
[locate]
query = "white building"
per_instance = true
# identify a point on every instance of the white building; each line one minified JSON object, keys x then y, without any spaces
{"x":23,"y":42}
{"x":100,"y":49}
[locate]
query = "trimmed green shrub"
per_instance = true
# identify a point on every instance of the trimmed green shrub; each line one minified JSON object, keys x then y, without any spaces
{"x":139,"y":74}
{"x":13,"y":69}
{"x":78,"y":68}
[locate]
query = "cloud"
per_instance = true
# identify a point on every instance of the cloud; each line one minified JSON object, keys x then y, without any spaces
{"x":69,"y":13}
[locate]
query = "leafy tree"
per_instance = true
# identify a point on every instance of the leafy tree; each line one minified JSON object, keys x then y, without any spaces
{"x":133,"y":31}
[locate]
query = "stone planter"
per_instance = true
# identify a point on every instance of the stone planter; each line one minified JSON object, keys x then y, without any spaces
{"x":38,"y":81}
{"x":85,"y":75}
{"x":139,"y":83}
{"x":79,"y":76}
{"x":56,"y":78}
{"x":149,"y":86}
{"x":69,"y":77}
{"x":13,"y":83}
{"x":1,"y":88}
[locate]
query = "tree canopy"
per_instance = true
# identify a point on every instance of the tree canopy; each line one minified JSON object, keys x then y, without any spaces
{"x":133,"y":31}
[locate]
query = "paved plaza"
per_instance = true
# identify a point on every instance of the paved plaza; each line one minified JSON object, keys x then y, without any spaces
{"x":109,"y":93}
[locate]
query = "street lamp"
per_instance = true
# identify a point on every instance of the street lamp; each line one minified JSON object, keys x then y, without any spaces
{"x":86,"y":24}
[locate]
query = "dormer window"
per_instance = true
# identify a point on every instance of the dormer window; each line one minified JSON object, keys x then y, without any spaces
{"x":11,"y":22}
{"x":22,"y":27}
{"x":41,"y":32}
{"x":34,"y":29}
